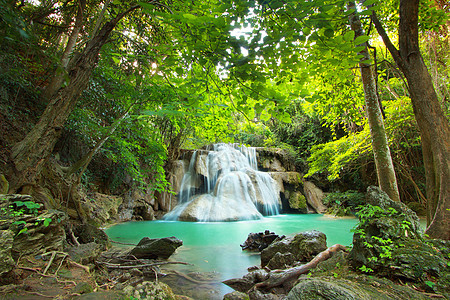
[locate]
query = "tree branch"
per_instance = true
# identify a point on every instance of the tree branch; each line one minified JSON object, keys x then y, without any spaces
{"x":387,"y":41}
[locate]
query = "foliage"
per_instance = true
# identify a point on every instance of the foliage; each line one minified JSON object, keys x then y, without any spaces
{"x":17,"y":209}
{"x":381,"y":245}
{"x":339,"y":156}
{"x":343,"y":203}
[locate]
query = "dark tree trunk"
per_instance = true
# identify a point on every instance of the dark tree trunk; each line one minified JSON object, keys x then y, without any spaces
{"x":382,"y":154}
{"x":29,"y":154}
{"x":433,"y":124}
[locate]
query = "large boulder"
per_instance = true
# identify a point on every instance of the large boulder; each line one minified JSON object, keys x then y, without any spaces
{"x":354,"y":287}
{"x":384,"y":225}
{"x":303,"y":246}
{"x":156,"y":248}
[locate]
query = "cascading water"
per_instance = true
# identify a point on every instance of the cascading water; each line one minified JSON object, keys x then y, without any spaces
{"x":224,"y":184}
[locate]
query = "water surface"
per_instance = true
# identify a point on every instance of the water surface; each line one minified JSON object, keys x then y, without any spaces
{"x":215,"y":246}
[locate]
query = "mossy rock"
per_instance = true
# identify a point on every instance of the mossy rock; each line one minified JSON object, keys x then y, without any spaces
{"x":304,"y":246}
{"x":297,"y":201}
{"x":236,"y":296}
{"x":352,"y":287}
{"x":150,"y":290}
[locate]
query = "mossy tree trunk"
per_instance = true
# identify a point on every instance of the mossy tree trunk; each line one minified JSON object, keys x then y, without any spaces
{"x":382,"y":154}
{"x":433,"y":125}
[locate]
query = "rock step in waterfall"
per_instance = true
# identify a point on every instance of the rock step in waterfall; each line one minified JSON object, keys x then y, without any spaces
{"x":224,"y":184}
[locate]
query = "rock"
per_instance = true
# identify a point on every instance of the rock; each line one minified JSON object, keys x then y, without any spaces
{"x":6,"y":242}
{"x":41,"y":237}
{"x":275,"y":159}
{"x":352,"y":287}
{"x":382,"y":228}
{"x":103,"y":295}
{"x":259,"y":241}
{"x":281,"y":261}
{"x":4,"y":184}
{"x":156,"y":248}
{"x":320,"y":289}
{"x":236,"y":296}
{"x":297,"y":201}
{"x":239,"y":284}
{"x":207,"y":207}
{"x":376,"y":197}
{"x":150,"y":290}
{"x":419,"y":262}
{"x":290,"y":186}
{"x":247,"y":281}
{"x":82,"y":288}
{"x":10,"y":198}
{"x":85,"y":253}
{"x":87,"y":233}
{"x":303,"y":246}
{"x":258,"y":295}
{"x":314,"y":196}
{"x":102,"y":208}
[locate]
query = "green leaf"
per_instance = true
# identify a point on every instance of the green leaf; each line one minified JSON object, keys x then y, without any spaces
{"x":349,"y":36}
{"x":361,"y":39}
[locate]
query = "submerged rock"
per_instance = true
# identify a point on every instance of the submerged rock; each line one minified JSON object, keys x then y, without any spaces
{"x":156,"y":248}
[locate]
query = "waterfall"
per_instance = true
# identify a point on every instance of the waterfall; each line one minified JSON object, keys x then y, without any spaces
{"x":224,"y":184}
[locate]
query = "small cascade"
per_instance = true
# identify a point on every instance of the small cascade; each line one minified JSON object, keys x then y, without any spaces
{"x":224,"y":184}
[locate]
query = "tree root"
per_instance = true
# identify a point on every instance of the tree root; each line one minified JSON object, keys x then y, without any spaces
{"x":281,"y":277}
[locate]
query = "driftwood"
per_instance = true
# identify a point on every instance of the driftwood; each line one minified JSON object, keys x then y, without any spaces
{"x":281,"y":277}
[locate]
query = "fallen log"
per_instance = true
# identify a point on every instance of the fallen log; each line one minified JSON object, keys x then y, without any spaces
{"x":280,"y":277}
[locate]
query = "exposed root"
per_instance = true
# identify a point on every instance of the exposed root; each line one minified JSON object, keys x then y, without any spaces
{"x":281,"y":277}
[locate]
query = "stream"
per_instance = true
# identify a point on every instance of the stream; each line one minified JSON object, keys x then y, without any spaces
{"x":213,"y":248}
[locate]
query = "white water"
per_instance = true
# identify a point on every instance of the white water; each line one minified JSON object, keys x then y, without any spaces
{"x":224,"y":184}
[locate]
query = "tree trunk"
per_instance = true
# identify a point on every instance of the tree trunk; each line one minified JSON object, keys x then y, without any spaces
{"x":59,"y":76}
{"x":433,"y":125}
{"x":382,"y":154}
{"x":38,"y":144}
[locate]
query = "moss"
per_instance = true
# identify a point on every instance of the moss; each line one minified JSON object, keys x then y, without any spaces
{"x":297,"y":201}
